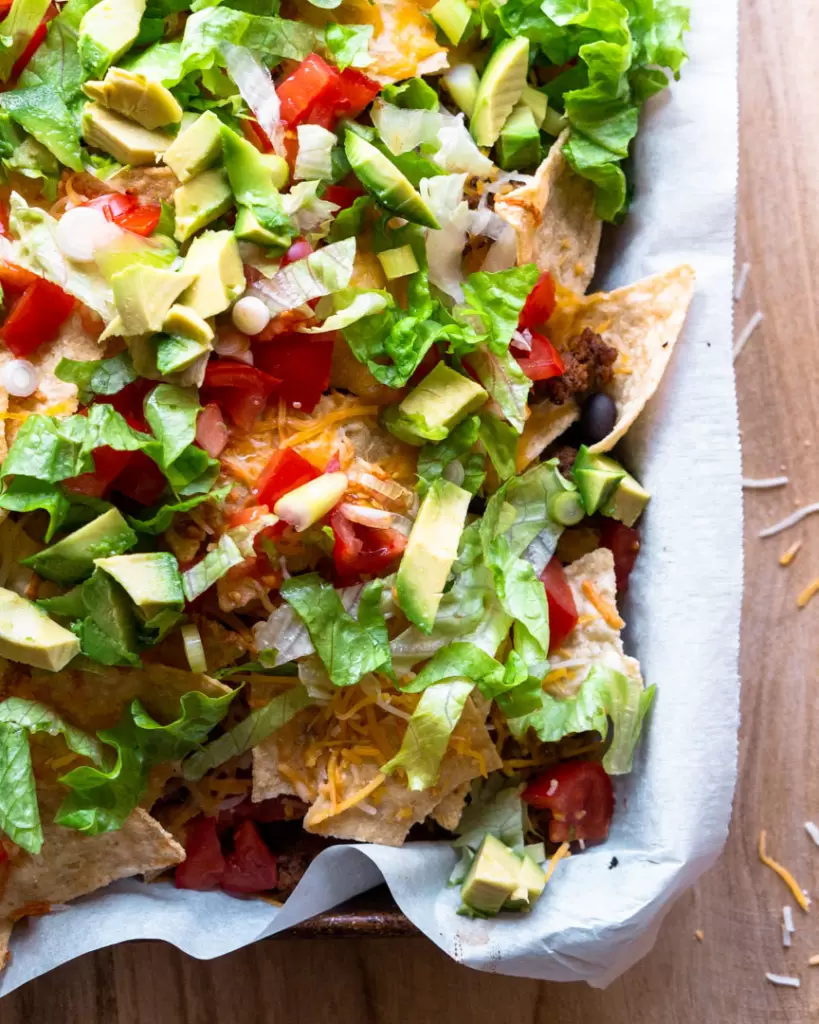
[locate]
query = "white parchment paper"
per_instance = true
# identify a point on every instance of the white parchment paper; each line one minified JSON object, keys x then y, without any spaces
{"x":683,"y":612}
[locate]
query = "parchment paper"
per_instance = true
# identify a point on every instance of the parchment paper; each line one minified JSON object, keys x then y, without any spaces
{"x":683,"y":612}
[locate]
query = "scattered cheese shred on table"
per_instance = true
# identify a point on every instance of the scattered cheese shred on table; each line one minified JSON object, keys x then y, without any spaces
{"x":786,"y":937}
{"x":812,"y":831}
{"x":810,"y":591}
{"x":787,"y":918}
{"x":788,"y":556}
{"x":791,"y":520}
{"x":814,"y":960}
{"x":783,"y":873}
{"x":745,"y":334}
{"x":561,"y":852}
{"x":699,"y":935}
{"x":783,"y":979}
{"x":763,"y":484}
{"x":742,"y":280}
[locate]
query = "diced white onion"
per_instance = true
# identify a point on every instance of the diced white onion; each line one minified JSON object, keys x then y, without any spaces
{"x":250,"y":315}
{"x":366,"y":516}
{"x":257,"y":90}
{"x":194,"y":651}
{"x":484,"y":221}
{"x":234,"y":345}
{"x":20,"y":378}
{"x":387,"y":489}
{"x":82,"y":230}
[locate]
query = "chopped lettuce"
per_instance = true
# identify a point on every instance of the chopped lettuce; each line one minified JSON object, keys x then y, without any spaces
{"x":212,"y":567}
{"x":429,"y":731}
{"x":503,"y":378}
{"x":497,"y":300}
{"x":352,"y":306}
{"x":494,"y":808}
{"x":158,"y":520}
{"x":16,"y":31}
{"x":97,"y":376}
{"x":349,"y":648}
{"x":321,"y":273}
{"x":348,"y":45}
{"x":604,"y":694}
{"x":314,"y":160}
{"x":501,"y":443}
{"x":434,"y":457}
{"x":171,"y":413}
{"x":348,"y":223}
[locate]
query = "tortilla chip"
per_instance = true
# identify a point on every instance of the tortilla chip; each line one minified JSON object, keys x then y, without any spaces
{"x":148,"y":184}
{"x":643,"y":321}
{"x":448,"y":812}
{"x":286,"y":747}
{"x":546,"y":423}
{"x":93,"y":701}
{"x":399,"y":808}
{"x":72,"y":865}
{"x":555,"y":221}
{"x":594,"y":641}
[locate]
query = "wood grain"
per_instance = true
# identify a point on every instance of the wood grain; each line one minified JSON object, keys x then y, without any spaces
{"x":718,"y":981}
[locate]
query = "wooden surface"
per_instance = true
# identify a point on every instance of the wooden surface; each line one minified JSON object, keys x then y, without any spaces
{"x":720,"y":980}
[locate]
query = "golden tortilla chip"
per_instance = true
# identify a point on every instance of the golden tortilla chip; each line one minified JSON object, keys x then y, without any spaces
{"x":546,"y":423}
{"x":279,"y":762}
{"x":643,"y":321}
{"x":95,"y":700}
{"x":397,"y":808}
{"x":555,"y":221}
{"x":148,"y":184}
{"x":448,"y":812}
{"x":596,"y":639}
{"x":72,"y":865}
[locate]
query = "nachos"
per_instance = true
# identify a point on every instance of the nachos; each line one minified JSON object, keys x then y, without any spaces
{"x":308,"y":532}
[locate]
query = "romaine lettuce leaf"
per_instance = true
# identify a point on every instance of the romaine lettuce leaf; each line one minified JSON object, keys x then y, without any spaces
{"x":158,"y":520}
{"x":494,"y":808}
{"x":348,"y":45}
{"x":501,"y":443}
{"x":97,"y":376}
{"x":16,"y":31}
{"x":503,"y":378}
{"x":171,"y":412}
{"x":212,"y":567}
{"x":19,"y":812}
{"x":497,"y":300}
{"x":323,"y":272}
{"x":433,"y":458}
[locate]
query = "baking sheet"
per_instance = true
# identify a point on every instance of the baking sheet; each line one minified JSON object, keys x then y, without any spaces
{"x":683,"y":612}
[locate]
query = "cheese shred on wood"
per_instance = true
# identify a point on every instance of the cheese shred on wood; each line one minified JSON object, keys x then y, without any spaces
{"x":783,"y":873}
{"x":788,"y":556}
{"x":562,"y":851}
{"x":810,"y":591}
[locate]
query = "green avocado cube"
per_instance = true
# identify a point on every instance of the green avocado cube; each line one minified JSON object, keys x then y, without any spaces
{"x":72,"y":558}
{"x":455,"y":18}
{"x":492,"y":878}
{"x":628,"y":501}
{"x":428,"y":413}
{"x":152,"y":580}
{"x":29,"y":636}
{"x":596,"y":477}
{"x":519,"y":143}
{"x":106,"y":31}
{"x":144,"y":296}
{"x":124,"y":140}
{"x":196,"y":148}
{"x":200,"y":201}
{"x":215,"y":264}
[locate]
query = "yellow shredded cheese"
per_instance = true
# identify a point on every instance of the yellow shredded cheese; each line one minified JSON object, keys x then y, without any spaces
{"x":562,"y":851}
{"x":607,"y":613}
{"x":699,"y":935}
{"x":814,"y":960}
{"x":788,"y":556}
{"x":352,"y":800}
{"x":349,"y":412}
{"x":783,"y":873}
{"x":810,"y":591}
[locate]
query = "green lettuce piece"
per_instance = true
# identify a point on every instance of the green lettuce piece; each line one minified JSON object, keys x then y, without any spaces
{"x":497,"y":300}
{"x":348,"y":648}
{"x":16,"y":31}
{"x":323,"y":272}
{"x":161,"y":62}
{"x":503,"y":378}
{"x":97,"y":376}
{"x":19,"y":812}
{"x":428,"y":733}
{"x":35,"y":717}
{"x":434,"y":457}
{"x":495,"y":808}
{"x":414,"y":94}
{"x":212,"y":567}
{"x":42,"y":112}
{"x":604,"y":694}
{"x":158,"y":520}
{"x":26,"y":494}
{"x":348,"y":223}
{"x":258,"y":725}
{"x":171,"y":412}
{"x":100,"y":801}
{"x":348,"y":45}
{"x":29,"y":158}
{"x":501,"y":443}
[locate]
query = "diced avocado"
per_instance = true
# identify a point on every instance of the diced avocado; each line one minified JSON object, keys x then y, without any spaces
{"x":248,"y":228}
{"x":596,"y":477}
{"x":196,"y":148}
{"x":136,"y":97}
{"x":531,"y":883}
{"x":439,"y":403}
{"x":430,"y":552}
{"x":519,"y":142}
{"x":500,"y":89}
{"x":455,"y":18}
{"x":554,"y":123}
{"x":628,"y":501}
{"x":398,"y":262}
{"x":129,"y":249}
{"x":125,"y":141}
{"x":187,"y":323}
{"x":106,"y":32}
{"x":152,"y":580}
{"x":200,"y":201}
{"x":144,"y":296}
{"x":463,"y":82}
{"x":175,"y":352}
{"x":492,"y":878}
{"x":72,"y":558}
{"x":112,"y":639}
{"x":219,"y":278}
{"x":387,"y":185}
{"x":256,"y":179}
{"x":537,"y":102}
{"x":29,"y":636}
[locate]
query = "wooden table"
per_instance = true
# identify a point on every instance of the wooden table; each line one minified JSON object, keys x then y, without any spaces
{"x":720,"y":980}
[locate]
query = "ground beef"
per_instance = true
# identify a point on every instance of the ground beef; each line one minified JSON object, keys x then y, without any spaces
{"x":589,"y":362}
{"x":291,"y":866}
{"x":565,"y":456}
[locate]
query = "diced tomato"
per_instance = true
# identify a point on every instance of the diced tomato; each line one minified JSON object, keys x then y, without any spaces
{"x":313,"y":81}
{"x":342,"y":195}
{"x":580,"y":797}
{"x":15,"y":278}
{"x":540,"y":303}
{"x":240,"y":390}
{"x":204,"y":864}
{"x":285,"y":471}
{"x":301,"y":363}
{"x":562,"y":609}
{"x":299,"y":250}
{"x":247,"y":515}
{"x":363,"y":550}
{"x":624,"y":543}
{"x":114,"y":205}
{"x":36,"y":317}
{"x":211,"y":430}
{"x":251,"y":867}
{"x":357,"y":91}
{"x":543,"y":361}
{"x":142,"y":480}
{"x":108,"y":464}
{"x":142,"y":220}
{"x":255,"y":134}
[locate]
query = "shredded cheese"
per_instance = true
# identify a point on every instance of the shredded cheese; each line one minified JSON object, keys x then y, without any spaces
{"x":763,"y":483}
{"x":788,"y":556}
{"x":783,"y":873}
{"x":607,"y":613}
{"x":812,"y":831}
{"x":744,"y":335}
{"x":783,"y":979}
{"x":742,"y":280}
{"x":791,"y":520}
{"x":699,"y":935}
{"x":352,"y":800}
{"x":810,"y":591}
{"x":350,"y":412}
{"x":562,"y":851}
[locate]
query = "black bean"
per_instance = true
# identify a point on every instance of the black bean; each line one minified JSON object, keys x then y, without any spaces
{"x":598,"y":418}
